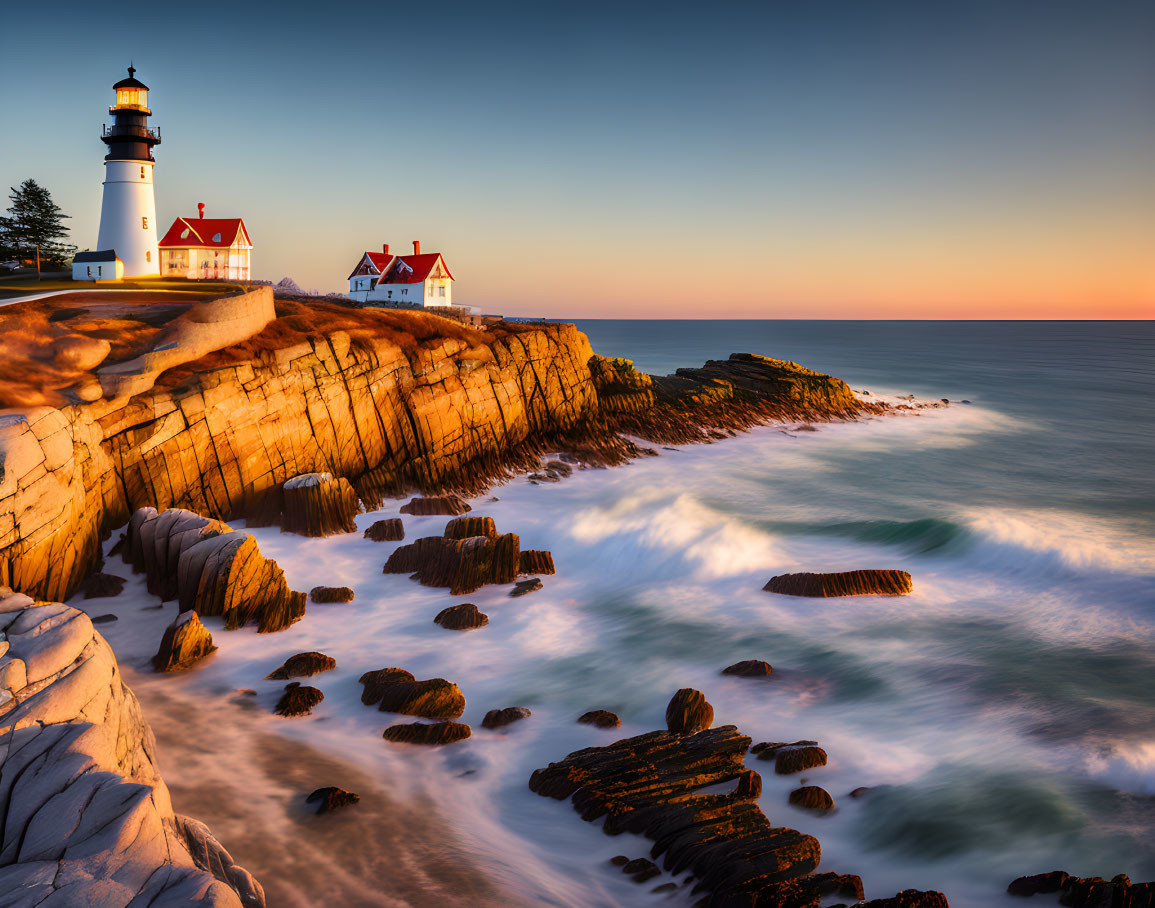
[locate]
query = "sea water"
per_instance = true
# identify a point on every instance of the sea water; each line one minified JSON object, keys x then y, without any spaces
{"x":1002,"y":716}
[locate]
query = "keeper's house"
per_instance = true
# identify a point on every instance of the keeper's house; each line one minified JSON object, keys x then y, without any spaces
{"x":417,"y":281}
{"x":206,"y":249}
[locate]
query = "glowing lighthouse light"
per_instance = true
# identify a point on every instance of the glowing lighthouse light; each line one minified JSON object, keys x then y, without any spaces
{"x":128,"y":211}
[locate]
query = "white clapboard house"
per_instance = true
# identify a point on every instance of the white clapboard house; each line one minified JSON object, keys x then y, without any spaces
{"x":417,"y":281}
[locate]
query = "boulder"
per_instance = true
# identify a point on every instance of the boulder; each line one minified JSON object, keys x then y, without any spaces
{"x":298,"y":700}
{"x":317,"y":504}
{"x":791,"y":760}
{"x":910,"y":898}
{"x":641,"y":870}
{"x":185,"y":642}
{"x":497,"y":718}
{"x":445,"y":504}
{"x":435,"y":734}
{"x":812,"y":798}
{"x":1039,"y":882}
{"x":1086,"y":892}
{"x":330,"y":799}
{"x":80,"y":352}
{"x":395,"y":690}
{"x":750,"y":668}
{"x":100,"y":586}
{"x":600,"y":718}
{"x":462,"y":565}
{"x":688,"y":712}
{"x":302,"y":665}
{"x":462,"y":617}
{"x":847,"y":583}
{"x":101,"y":619}
{"x":525,"y":587}
{"x":465,"y":527}
{"x":389,"y":530}
{"x":536,"y":562}
{"x":331,"y":594}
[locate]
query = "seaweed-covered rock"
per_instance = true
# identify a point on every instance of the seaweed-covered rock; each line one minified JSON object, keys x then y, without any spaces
{"x":445,"y":504}
{"x":331,"y":594}
{"x":847,"y":583}
{"x":750,"y":668}
{"x":536,"y":562}
{"x":185,"y":642}
{"x":525,"y":587}
{"x":302,"y":665}
{"x":462,"y":617}
{"x":496,"y":718}
{"x":330,"y":799}
{"x":100,"y":586}
{"x":465,"y":527}
{"x":318,"y":504}
{"x":388,"y":530}
{"x":435,"y":734}
{"x":790,"y":760}
{"x":688,"y":712}
{"x":462,"y":565}
{"x":395,"y":690}
{"x":600,"y":718}
{"x":298,"y":700}
{"x":812,"y":797}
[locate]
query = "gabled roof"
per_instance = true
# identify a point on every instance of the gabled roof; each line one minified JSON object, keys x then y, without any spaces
{"x":104,"y":255}
{"x":413,"y":269}
{"x":376,"y":261}
{"x":214,"y":233}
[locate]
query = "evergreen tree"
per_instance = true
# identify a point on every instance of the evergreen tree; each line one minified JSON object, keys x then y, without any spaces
{"x":33,"y":219}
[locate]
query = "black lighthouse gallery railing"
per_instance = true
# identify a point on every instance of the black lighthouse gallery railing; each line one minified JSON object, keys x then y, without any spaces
{"x":141,"y":132}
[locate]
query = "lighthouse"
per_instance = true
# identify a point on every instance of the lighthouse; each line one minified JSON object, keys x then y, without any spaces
{"x":128,"y":212}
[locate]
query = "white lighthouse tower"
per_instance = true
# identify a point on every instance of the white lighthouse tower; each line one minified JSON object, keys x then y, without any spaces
{"x":128,"y":212}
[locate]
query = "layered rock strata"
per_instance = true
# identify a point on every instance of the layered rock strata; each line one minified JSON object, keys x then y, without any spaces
{"x":313,"y":504}
{"x":395,"y":690}
{"x":847,"y":583}
{"x":85,"y":817}
{"x":185,"y":642}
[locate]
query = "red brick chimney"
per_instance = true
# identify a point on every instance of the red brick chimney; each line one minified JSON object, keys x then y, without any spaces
{"x":417,"y":247}
{"x":385,"y":248}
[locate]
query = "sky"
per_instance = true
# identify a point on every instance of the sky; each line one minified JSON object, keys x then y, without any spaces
{"x":825,"y":159}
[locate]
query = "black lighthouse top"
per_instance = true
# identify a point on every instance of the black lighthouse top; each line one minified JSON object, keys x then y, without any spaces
{"x":130,"y":138}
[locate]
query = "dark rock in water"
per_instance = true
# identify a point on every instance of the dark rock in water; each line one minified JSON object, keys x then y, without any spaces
{"x":331,"y":594}
{"x":446,"y":504}
{"x":910,"y":898}
{"x":688,"y":712}
{"x":847,"y":885}
{"x":812,"y":797}
{"x":298,"y":700}
{"x":465,"y":527}
{"x":965,"y":401}
{"x":601,"y":718}
{"x":100,"y":586}
{"x":397,"y":691}
{"x":104,"y":619}
{"x":750,"y":668}
{"x":302,"y":665}
{"x":496,"y":718}
{"x":535,"y":562}
{"x":152,"y":608}
{"x":433,"y":735}
{"x":330,"y":799}
{"x":317,"y":504}
{"x":525,"y":587}
{"x":767,"y":750}
{"x":944,"y":400}
{"x":388,"y":530}
{"x":847,"y":583}
{"x":185,"y":642}
{"x":1039,"y":882}
{"x":790,"y":760}
{"x":462,"y":617}
{"x":860,"y":791}
{"x":665,"y":887}
{"x":462,"y":565}
{"x":641,"y":869}
{"x":620,"y":860}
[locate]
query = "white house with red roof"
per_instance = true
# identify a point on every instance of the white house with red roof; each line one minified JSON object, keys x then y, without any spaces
{"x":416,"y":281}
{"x":205,"y":249}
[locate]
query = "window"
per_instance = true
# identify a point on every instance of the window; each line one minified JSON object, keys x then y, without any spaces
{"x":184,"y":234}
{"x":216,"y":237}
{"x":90,"y":271}
{"x":99,"y":270}
{"x":144,"y":223}
{"x":441,"y":290}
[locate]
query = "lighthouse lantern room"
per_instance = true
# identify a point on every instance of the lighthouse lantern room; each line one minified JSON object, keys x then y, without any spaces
{"x":128,"y":211}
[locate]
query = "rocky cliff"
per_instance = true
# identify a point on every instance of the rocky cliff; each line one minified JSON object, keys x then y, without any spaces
{"x":84,"y":815}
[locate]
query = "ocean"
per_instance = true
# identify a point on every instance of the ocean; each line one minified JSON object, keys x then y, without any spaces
{"x":1002,"y":716}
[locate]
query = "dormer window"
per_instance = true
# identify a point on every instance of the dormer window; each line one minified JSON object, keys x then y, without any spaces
{"x":184,"y":234}
{"x":216,"y":237}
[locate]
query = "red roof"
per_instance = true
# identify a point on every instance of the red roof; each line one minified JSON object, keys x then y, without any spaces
{"x":378,"y":261}
{"x":218,"y":233}
{"x":417,"y":271}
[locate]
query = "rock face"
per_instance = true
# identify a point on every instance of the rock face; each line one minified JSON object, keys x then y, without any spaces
{"x":445,"y":504}
{"x":73,"y":743}
{"x":330,"y":799}
{"x":848,"y":583}
{"x":317,"y":504}
{"x":389,"y":530}
{"x":535,"y":562}
{"x":688,"y":712}
{"x":331,"y":594}
{"x":211,"y":569}
{"x":434,"y":735}
{"x":1087,"y":892}
{"x":185,"y":642}
{"x":302,"y":665}
{"x":462,"y":617}
{"x":464,"y":527}
{"x":497,"y":718}
{"x":397,"y":691}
